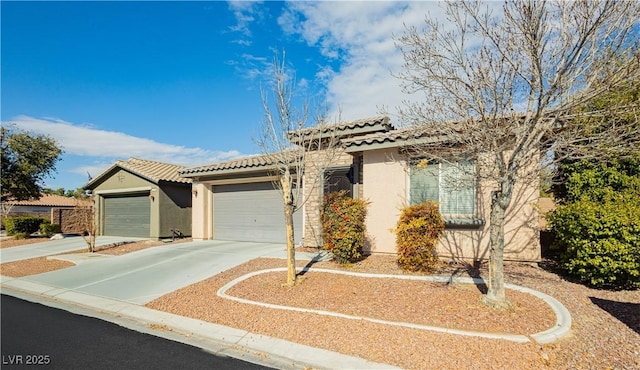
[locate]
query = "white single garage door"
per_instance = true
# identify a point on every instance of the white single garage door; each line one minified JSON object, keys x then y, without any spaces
{"x":251,"y":212}
{"x":127,"y":216}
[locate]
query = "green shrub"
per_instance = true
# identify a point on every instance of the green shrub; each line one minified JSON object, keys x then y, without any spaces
{"x":22,"y":225}
{"x":49,"y":229}
{"x":20,"y":236}
{"x":600,"y":241}
{"x":343,"y":227}
{"x":417,"y":233}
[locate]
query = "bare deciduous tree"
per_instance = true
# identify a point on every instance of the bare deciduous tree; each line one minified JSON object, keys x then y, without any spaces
{"x":507,"y":86}
{"x":288,"y":143}
{"x":85,"y":212}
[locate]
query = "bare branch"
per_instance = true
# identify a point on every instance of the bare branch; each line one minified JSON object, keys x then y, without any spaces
{"x":507,"y":87}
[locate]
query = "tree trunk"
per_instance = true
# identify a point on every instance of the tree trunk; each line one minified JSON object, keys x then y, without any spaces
{"x":496,"y":296}
{"x":287,"y":193}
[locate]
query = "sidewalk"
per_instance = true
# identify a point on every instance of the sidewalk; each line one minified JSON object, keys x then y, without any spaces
{"x":217,"y":339}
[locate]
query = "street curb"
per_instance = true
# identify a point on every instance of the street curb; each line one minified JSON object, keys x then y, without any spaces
{"x":218,"y":339}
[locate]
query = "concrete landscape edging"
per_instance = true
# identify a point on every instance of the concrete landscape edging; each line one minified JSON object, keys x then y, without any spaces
{"x":218,"y":339}
{"x":559,"y":330}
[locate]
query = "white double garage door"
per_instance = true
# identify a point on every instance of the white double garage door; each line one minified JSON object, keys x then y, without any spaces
{"x":251,"y":212}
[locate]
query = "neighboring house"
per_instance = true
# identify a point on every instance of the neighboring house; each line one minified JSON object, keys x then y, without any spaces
{"x":39,"y":207}
{"x":142,"y":198}
{"x":237,"y":200}
{"x":57,"y":209}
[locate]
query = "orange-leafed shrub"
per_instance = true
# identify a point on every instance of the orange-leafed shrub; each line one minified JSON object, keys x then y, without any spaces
{"x":417,"y":233}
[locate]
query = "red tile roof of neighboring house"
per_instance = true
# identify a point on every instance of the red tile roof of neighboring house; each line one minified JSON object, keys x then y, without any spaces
{"x":151,"y":170}
{"x":48,"y":200}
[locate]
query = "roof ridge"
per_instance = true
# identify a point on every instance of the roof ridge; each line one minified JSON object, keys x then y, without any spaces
{"x":134,"y":159}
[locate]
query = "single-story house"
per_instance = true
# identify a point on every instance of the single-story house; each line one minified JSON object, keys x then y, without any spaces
{"x":48,"y":206}
{"x":237,"y":199}
{"x":39,"y":207}
{"x":142,"y":198}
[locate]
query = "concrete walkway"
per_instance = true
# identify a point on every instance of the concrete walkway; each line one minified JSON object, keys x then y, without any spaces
{"x":68,"y":244}
{"x":142,"y":276}
{"x":115,"y":288}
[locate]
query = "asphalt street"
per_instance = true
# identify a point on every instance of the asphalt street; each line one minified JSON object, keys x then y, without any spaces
{"x":37,"y":335}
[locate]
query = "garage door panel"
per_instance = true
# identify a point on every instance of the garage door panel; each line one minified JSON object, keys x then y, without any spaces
{"x":127,"y":216}
{"x":251,"y":212}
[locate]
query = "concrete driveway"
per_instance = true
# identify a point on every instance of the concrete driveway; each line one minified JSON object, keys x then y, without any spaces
{"x":68,"y":244}
{"x":142,"y":276}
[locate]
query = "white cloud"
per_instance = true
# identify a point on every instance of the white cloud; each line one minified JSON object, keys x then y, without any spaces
{"x":245,"y":13}
{"x":98,"y":145}
{"x":360,"y":35}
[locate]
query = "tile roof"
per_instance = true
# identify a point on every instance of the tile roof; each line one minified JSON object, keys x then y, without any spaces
{"x":244,"y":164}
{"x":372,"y":125}
{"x":345,"y":129}
{"x":48,"y":200}
{"x":405,"y":136}
{"x":151,"y":170}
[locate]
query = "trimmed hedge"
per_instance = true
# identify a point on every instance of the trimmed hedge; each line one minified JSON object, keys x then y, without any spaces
{"x":343,"y":226}
{"x":417,"y":233}
{"x":25,"y":225}
{"x":49,"y":229}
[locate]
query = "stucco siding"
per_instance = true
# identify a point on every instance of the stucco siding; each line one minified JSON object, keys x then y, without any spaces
{"x":122,"y":179}
{"x":521,"y":229}
{"x":175,"y":209}
{"x":384,"y":187}
{"x":201,"y":212}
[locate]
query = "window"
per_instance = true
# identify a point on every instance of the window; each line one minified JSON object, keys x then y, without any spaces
{"x":454,"y":186}
{"x":339,"y":178}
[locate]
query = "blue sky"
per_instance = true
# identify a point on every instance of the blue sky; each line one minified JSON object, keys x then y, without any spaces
{"x":179,"y":82}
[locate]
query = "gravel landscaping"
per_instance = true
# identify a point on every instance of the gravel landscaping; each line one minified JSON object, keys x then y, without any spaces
{"x":10,"y":242}
{"x":604,"y":335}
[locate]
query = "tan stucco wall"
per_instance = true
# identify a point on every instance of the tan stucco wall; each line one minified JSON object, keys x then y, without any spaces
{"x":522,"y":233}
{"x":386,"y":187}
{"x":201,"y":211}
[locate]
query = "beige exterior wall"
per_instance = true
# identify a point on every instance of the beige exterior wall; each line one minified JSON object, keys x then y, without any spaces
{"x":201,"y":211}
{"x":385,"y":186}
{"x":385,"y":182}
